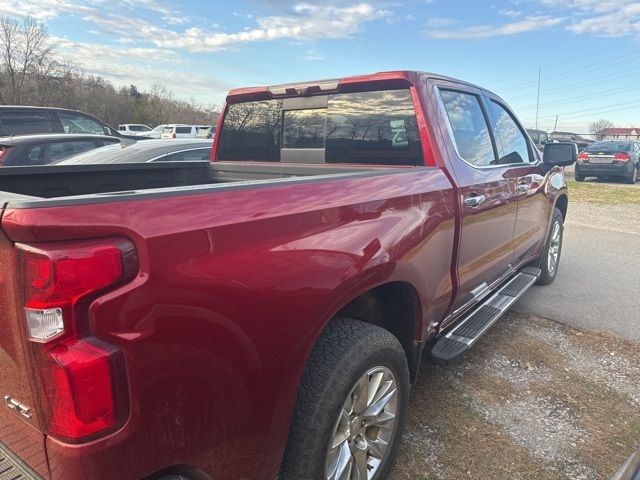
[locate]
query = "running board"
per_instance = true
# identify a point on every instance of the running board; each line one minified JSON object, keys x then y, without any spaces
{"x":458,"y":340}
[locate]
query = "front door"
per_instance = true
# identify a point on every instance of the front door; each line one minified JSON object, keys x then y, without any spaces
{"x":487,"y":196}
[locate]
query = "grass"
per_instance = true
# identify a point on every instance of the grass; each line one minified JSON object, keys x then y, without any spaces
{"x":602,"y":193}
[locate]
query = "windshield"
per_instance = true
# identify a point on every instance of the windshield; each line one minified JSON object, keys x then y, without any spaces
{"x":607,"y":147}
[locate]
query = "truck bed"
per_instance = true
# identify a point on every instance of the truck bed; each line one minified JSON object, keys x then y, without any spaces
{"x":25,"y":185}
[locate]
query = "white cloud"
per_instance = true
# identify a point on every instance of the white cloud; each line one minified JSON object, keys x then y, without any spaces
{"x":510,"y":13}
{"x":440,"y":22}
{"x":528,"y":24}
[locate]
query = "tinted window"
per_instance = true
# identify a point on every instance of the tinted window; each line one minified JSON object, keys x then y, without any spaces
{"x":468,"y":127}
{"x":609,"y":147}
{"x":183,"y":129}
{"x":188,"y":156}
{"x":251,"y":131}
{"x":35,"y":155}
{"x":122,"y":128}
{"x":59,"y":150}
{"x":139,"y":128}
{"x":369,"y":127}
{"x":20,"y":123}
{"x":510,"y":141}
{"x":74,"y":123}
{"x":373,"y":128}
{"x":304,"y":128}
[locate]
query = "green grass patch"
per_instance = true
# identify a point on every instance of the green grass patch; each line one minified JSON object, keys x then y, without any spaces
{"x":603,"y":193}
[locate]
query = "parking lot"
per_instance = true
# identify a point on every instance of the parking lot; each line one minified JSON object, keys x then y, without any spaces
{"x":540,"y":398}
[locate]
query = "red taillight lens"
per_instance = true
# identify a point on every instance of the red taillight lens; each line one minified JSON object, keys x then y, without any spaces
{"x":82,"y":379}
{"x":621,"y":156}
{"x":3,"y":152}
{"x":583,"y":156}
{"x":78,"y":383}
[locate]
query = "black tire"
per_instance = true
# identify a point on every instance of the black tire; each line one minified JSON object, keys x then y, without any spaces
{"x":345,"y":351}
{"x":548,"y":274}
{"x":579,"y":178}
{"x":633,"y":178}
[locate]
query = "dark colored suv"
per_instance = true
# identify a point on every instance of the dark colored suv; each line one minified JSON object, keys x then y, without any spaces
{"x":609,"y":158}
{"x":25,"y":120}
{"x":29,"y":150}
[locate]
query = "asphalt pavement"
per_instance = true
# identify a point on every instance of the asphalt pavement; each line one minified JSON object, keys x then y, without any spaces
{"x":598,"y":281}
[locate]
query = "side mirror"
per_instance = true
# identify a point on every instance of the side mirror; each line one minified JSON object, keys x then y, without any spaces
{"x":560,"y":154}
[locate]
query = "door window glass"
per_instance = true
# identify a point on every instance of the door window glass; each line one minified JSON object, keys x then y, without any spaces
{"x":183,"y":129}
{"x":468,"y":127}
{"x":25,"y":122}
{"x":75,"y":123}
{"x":510,"y":141}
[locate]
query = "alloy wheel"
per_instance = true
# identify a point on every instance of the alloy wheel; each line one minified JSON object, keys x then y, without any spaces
{"x":554,"y":248}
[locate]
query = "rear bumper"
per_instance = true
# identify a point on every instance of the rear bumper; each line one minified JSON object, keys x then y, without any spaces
{"x":11,"y":466}
{"x":621,"y":169}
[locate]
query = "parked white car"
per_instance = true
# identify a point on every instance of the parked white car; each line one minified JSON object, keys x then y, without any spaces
{"x":133,"y":129}
{"x":154,"y":132}
{"x":180,"y":131}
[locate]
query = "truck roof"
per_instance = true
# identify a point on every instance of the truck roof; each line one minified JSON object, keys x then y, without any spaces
{"x":317,"y":86}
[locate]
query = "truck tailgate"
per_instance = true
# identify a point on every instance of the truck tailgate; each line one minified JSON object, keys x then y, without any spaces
{"x":19,"y":423}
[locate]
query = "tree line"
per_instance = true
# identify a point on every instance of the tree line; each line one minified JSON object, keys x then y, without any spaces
{"x":32,"y":73}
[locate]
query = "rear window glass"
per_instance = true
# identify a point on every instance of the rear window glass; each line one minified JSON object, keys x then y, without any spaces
{"x":60,"y":150}
{"x":609,"y":147}
{"x":167,"y":130}
{"x":368,"y":127}
{"x":139,"y":128}
{"x":20,"y":123}
{"x":183,"y":129}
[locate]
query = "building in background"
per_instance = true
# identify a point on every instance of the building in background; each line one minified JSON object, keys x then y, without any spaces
{"x":621,"y":133}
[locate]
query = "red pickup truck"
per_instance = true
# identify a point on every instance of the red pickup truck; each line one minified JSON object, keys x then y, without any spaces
{"x":263,"y":315}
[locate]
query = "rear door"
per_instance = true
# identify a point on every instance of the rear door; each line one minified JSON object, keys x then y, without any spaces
{"x":19,"y":422}
{"x":25,"y":121}
{"x":487,"y":195}
{"x":534,"y":208}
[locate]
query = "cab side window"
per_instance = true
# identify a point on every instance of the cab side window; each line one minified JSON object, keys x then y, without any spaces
{"x":469,"y":127}
{"x":511,"y":142}
{"x":75,"y":123}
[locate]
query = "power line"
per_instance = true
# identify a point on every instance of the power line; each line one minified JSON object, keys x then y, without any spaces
{"x":593,"y":96}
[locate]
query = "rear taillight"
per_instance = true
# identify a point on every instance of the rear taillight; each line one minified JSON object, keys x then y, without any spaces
{"x":173,"y":136}
{"x":621,"y":156}
{"x":3,"y":153}
{"x":82,"y":379}
{"x":583,"y":156}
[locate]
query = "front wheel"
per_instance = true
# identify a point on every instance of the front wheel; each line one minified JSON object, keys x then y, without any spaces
{"x":550,"y":256}
{"x":351,"y":406}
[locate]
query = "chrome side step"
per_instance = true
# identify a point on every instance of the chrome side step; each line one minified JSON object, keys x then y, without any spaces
{"x":459,"y":339}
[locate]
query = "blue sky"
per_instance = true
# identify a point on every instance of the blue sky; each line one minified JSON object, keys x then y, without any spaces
{"x":589,"y":50}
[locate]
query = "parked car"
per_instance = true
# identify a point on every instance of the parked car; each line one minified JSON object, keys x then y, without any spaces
{"x":540,"y":137}
{"x":47,"y":148}
{"x":609,"y":158}
{"x":153,"y":133}
{"x":180,"y":131}
{"x":159,"y":151}
{"x":28,"y":120}
{"x":580,"y":141}
{"x":206,"y":132}
{"x":135,"y":129}
{"x":262,"y":315}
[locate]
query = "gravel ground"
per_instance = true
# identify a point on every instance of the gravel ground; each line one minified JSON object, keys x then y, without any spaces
{"x":624,"y":218}
{"x":533,"y":400}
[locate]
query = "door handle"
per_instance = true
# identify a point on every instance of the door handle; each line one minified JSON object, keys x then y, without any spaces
{"x":474,"y":201}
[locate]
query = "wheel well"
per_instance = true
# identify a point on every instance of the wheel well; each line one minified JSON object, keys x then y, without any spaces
{"x":562,"y":204}
{"x":395,"y":307}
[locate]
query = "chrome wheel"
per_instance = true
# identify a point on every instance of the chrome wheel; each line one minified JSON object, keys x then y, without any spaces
{"x":363,"y":430}
{"x":554,"y":248}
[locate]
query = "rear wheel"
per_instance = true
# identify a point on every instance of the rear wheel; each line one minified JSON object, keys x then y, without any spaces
{"x":633,"y":177}
{"x":579,"y":178}
{"x":351,"y":405}
{"x":550,"y":257}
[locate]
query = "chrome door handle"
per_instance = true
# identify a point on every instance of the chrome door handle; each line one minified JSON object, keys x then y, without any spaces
{"x":474,"y":201}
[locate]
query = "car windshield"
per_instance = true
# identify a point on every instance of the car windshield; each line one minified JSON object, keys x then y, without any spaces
{"x":606,"y":147}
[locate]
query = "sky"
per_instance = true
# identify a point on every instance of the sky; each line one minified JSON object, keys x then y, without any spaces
{"x":588,"y":50}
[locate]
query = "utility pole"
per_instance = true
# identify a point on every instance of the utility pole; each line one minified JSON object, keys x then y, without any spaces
{"x":555,"y":125}
{"x":538,"y":101}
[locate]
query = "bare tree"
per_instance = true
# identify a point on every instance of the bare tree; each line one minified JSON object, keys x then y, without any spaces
{"x":26,"y":49}
{"x":597,"y":128}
